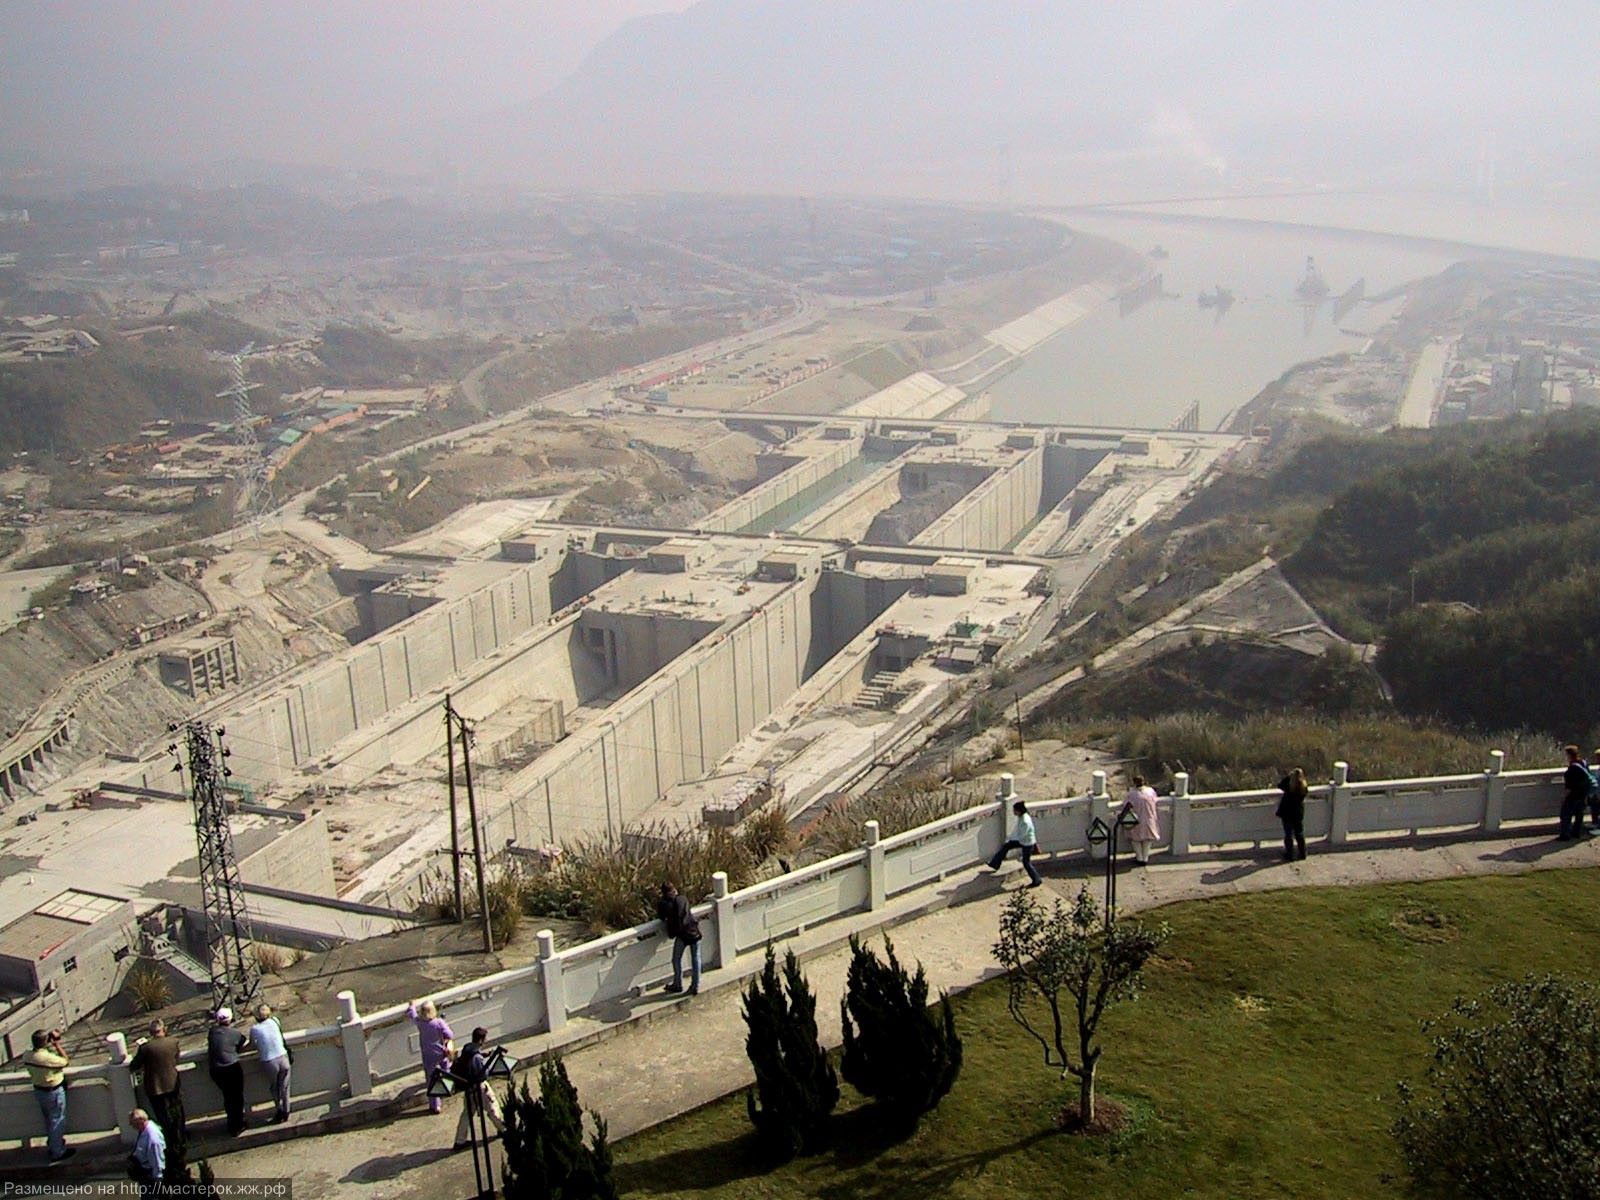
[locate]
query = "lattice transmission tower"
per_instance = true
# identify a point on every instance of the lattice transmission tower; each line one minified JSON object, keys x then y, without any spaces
{"x":255,"y":491}
{"x":230,"y":954}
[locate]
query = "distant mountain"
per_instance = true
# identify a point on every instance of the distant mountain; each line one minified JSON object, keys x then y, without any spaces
{"x":1070,"y":99}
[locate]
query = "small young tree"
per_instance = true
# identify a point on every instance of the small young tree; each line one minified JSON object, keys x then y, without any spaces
{"x":895,"y":1049}
{"x":1508,"y":1108}
{"x":1059,"y":956}
{"x":796,"y":1086}
{"x":545,"y":1154}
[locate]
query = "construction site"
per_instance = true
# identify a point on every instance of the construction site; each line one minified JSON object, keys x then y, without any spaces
{"x":807,"y":633}
{"x":761,"y":571}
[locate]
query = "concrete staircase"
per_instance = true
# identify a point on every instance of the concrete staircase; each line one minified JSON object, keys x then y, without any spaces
{"x":164,"y":950}
{"x":882,"y":691}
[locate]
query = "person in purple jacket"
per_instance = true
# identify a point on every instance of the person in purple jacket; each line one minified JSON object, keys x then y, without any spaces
{"x":437,"y":1042}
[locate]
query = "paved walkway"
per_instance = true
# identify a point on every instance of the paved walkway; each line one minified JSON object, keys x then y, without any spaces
{"x":657,"y":1058}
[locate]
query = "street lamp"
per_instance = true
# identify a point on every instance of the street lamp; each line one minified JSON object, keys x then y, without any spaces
{"x":442,"y":1086}
{"x":501,"y":1064}
{"x":497,"y":1064}
{"x":1102,"y":833}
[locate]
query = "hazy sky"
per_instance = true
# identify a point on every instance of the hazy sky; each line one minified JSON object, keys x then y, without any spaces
{"x":308,"y":80}
{"x":1491,"y":101}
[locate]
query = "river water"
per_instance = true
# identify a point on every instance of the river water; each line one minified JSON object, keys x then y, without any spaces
{"x":1146,"y":368}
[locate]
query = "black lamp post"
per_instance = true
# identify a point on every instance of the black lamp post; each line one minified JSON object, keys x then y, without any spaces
{"x":1103,"y":833}
{"x":499,"y":1065}
{"x":442,"y":1086}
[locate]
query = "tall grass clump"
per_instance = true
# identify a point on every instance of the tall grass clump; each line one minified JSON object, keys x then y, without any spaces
{"x":766,"y":833}
{"x":148,"y":988}
{"x":613,"y":885}
{"x":1254,"y":752}
{"x":504,"y":887}
{"x":895,"y":809}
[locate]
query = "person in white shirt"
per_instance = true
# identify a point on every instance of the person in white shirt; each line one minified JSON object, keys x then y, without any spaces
{"x":1023,"y":838}
{"x":266,"y":1035}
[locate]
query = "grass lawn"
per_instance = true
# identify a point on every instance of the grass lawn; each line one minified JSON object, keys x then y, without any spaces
{"x":1261,"y":1060}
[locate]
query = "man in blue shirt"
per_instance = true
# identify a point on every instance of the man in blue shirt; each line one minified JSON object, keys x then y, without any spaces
{"x":148,"y":1162}
{"x":266,"y":1035}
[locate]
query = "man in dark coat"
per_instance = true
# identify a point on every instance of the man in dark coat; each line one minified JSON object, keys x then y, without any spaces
{"x":679,"y":921}
{"x":1292,"y":812}
{"x":1578,"y":783}
{"x":157,"y":1057}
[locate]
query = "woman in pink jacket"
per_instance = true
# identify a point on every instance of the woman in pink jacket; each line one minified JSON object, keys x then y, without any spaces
{"x":1142,"y":799}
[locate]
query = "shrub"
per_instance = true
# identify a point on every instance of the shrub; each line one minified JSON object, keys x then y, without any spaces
{"x":272,"y":959}
{"x":1507,"y":1106}
{"x":546,"y":1157}
{"x":148,"y":988}
{"x":796,"y":1086}
{"x":895,"y":1050}
{"x":765,"y":834}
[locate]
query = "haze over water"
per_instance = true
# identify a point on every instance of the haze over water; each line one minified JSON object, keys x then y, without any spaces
{"x":1146,"y":368}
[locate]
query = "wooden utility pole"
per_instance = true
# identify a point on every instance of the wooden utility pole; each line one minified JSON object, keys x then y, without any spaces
{"x":1022,"y":750}
{"x":455,"y":820}
{"x":477,"y":835}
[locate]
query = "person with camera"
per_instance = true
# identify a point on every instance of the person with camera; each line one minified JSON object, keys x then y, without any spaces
{"x":47,"y":1066}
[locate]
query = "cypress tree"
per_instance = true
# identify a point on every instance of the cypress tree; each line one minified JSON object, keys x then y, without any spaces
{"x":896,"y":1049}
{"x":545,"y":1154}
{"x":796,"y":1086}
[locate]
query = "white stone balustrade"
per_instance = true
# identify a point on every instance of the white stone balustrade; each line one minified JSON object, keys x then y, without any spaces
{"x":337,"y":1064}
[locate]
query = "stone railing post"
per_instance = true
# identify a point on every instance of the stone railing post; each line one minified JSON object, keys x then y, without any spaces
{"x":353,"y":1036}
{"x":555,"y":988}
{"x":1180,"y":815}
{"x":121,"y":1079}
{"x":727,"y":941}
{"x":875,"y":882}
{"x":1099,"y":806}
{"x":1339,"y":805}
{"x":1005,"y":795}
{"x":1494,"y":791}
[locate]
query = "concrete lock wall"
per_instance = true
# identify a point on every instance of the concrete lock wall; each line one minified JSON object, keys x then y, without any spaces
{"x":555,"y":667}
{"x":745,"y":510}
{"x":340,"y":1062}
{"x":850,"y":516}
{"x":991,"y":515}
{"x":296,"y":859}
{"x":670,"y":729}
{"x":304,"y":720}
